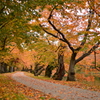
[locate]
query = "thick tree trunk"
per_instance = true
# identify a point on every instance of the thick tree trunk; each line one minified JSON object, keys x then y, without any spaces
{"x":11,"y":69}
{"x":61,"y":68}
{"x":3,"y":67}
{"x":38,"y":69}
{"x":48,"y":71}
{"x":71,"y":72}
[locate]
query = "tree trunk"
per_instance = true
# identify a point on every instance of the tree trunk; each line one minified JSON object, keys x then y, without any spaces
{"x":3,"y":67}
{"x":11,"y":69}
{"x":95,"y":65}
{"x":38,"y":69}
{"x":61,"y":68}
{"x":31,"y":68}
{"x":48,"y":71}
{"x":71,"y":72}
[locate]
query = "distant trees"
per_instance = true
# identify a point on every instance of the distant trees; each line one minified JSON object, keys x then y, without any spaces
{"x":45,"y":56}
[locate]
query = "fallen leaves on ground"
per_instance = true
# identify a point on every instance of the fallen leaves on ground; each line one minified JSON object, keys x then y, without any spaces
{"x":78,"y":84}
{"x":12,"y":90}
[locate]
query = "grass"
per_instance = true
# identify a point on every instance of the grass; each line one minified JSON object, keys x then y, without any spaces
{"x":8,"y":90}
{"x":94,"y":86}
{"x":37,"y":77}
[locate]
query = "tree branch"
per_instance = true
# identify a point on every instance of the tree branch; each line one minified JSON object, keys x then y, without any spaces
{"x":54,"y":35}
{"x":48,"y":40}
{"x":63,"y":37}
{"x":93,"y":7}
{"x":4,"y":24}
{"x":98,"y":69}
{"x":48,"y":32}
{"x":87,"y":29}
{"x":88,"y":53}
{"x":4,"y":43}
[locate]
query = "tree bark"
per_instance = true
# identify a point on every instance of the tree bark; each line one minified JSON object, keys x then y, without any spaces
{"x":71,"y":72}
{"x":38,"y":69}
{"x":95,"y":65}
{"x":31,"y":68}
{"x":3,"y":67}
{"x":61,"y":68}
{"x":48,"y":71}
{"x":62,"y":37}
{"x":11,"y":69}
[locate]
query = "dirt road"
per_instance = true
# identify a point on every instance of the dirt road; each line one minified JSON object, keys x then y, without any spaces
{"x":56,"y":90}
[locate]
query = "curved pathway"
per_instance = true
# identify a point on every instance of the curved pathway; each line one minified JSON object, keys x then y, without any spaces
{"x":56,"y":90}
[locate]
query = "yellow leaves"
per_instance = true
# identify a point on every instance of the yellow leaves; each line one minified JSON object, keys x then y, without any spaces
{"x":8,"y":90}
{"x":34,"y":22}
{"x":12,"y":90}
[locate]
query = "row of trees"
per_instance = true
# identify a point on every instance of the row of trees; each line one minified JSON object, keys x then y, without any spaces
{"x":59,"y":24}
{"x":13,"y":32}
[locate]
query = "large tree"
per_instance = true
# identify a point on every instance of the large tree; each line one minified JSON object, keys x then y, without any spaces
{"x":75,"y":23}
{"x":60,"y":72}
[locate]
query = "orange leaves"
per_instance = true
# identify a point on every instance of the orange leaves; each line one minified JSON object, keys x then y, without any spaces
{"x":12,"y":90}
{"x":83,"y":77}
{"x":7,"y":89}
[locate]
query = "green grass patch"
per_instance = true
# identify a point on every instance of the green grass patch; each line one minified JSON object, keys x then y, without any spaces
{"x":37,"y":77}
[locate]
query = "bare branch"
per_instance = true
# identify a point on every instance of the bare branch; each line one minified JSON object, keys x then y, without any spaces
{"x":88,"y":53}
{"x":48,"y":32}
{"x":63,"y":37}
{"x":56,"y":37}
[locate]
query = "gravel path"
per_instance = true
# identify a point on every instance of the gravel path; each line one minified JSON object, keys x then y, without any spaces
{"x":56,"y":90}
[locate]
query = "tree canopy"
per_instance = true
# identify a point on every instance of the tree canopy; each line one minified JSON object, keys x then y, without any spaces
{"x":74,"y":22}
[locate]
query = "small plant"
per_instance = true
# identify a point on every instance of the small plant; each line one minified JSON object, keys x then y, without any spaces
{"x":43,"y":98}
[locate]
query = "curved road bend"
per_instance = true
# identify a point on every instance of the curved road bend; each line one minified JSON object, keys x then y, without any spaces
{"x":56,"y":90}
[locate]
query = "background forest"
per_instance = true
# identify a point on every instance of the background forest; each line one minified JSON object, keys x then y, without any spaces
{"x":54,"y":38}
